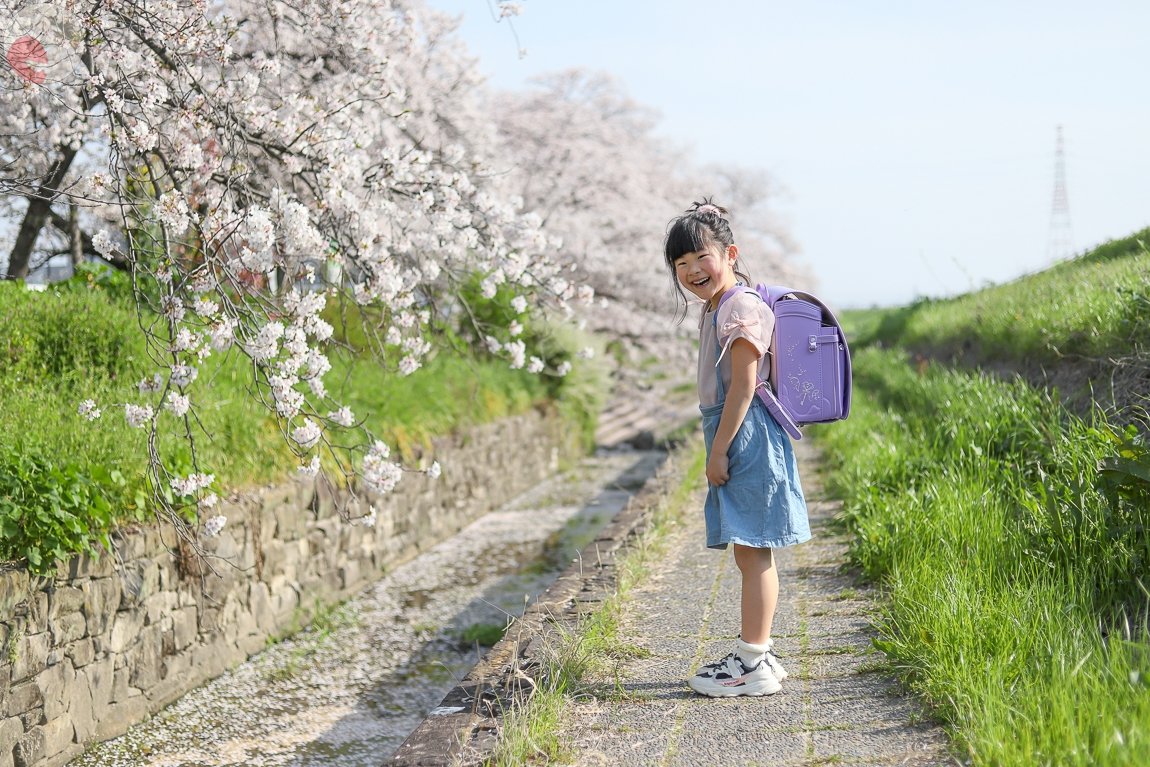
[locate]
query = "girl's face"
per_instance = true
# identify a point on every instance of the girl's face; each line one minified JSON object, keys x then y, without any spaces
{"x":707,"y":273}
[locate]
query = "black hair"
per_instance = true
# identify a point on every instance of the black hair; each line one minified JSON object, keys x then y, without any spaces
{"x":702,"y":225}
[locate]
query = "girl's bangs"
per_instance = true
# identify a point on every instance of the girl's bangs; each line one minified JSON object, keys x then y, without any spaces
{"x":686,"y":236}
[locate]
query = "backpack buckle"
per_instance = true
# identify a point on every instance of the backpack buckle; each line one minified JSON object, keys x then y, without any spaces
{"x":813,"y":342}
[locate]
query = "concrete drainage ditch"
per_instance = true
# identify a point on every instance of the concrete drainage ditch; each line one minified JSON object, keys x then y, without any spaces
{"x":349,"y":689}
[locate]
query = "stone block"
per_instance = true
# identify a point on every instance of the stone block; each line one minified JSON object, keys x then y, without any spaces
{"x":214,"y":658}
{"x":33,"y":718}
{"x":274,"y":559}
{"x":121,"y":689}
{"x":118,"y":717}
{"x":159,"y":605}
{"x":144,"y":659}
{"x":81,"y":708}
{"x":138,"y":581}
{"x":223,"y":546}
{"x":290,"y":520}
{"x":251,"y":644}
{"x":100,"y":678}
{"x":11,"y":730}
{"x":169,"y":573}
{"x":260,"y":604}
{"x":31,"y":656}
{"x":14,"y":588}
{"x":67,"y":628}
{"x":87,"y":566}
{"x":30,"y":748}
{"x":101,"y":600}
{"x":175,"y":670}
{"x":64,"y":600}
{"x":36,"y":611}
{"x":24,"y":697}
{"x":350,"y":576}
{"x":184,"y":627}
{"x":58,"y":737}
{"x":55,"y":684}
{"x":82,"y":652}
{"x":130,"y":545}
{"x":170,"y":690}
{"x":126,"y":629}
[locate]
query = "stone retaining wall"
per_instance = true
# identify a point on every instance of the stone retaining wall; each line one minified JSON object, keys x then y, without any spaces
{"x":107,"y":643}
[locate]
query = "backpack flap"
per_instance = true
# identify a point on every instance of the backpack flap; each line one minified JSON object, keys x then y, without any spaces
{"x":811,"y":355}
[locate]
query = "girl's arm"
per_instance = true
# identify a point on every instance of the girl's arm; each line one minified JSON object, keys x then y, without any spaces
{"x":744,"y":377}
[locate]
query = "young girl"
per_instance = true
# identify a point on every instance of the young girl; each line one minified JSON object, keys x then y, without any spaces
{"x":754,"y":499}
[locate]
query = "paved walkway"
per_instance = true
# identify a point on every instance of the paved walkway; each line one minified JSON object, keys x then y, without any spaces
{"x":834,"y":709}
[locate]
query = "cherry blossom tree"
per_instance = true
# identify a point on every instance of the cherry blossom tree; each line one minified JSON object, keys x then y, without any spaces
{"x":229,"y":153}
{"x":249,"y":163}
{"x":588,"y":159}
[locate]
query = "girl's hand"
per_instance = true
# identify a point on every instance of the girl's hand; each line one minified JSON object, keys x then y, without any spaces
{"x":717,"y":469}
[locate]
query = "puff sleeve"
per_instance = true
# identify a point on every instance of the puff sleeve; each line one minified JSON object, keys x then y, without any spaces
{"x":745,"y":315}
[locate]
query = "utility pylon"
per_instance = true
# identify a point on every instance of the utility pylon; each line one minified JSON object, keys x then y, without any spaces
{"x":1060,"y":244}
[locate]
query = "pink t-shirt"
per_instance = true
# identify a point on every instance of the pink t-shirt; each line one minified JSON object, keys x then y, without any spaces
{"x":741,"y":316}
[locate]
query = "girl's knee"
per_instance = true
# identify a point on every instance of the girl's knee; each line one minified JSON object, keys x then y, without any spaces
{"x":749,"y":557}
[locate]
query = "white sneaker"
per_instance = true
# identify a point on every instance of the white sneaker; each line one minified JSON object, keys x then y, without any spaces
{"x":773,"y":661}
{"x":731,"y":677}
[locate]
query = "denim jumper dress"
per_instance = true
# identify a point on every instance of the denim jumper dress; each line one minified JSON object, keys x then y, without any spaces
{"x":762,"y":504}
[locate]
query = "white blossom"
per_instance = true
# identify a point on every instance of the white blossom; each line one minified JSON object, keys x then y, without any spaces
{"x":191,"y":484}
{"x":518,"y":352}
{"x":182,"y":375}
{"x":379,"y":474}
{"x":213,"y":525}
{"x":535,"y":365}
{"x":102,"y":242}
{"x":311,"y":468}
{"x":564,"y":368}
{"x":519,"y":304}
{"x":178,"y":404}
{"x":150,"y":385}
{"x":307,"y":434}
{"x":138,"y":415}
{"x":89,"y":410}
{"x":408,"y":365}
{"x":343,"y":416}
{"x":434,"y":471}
{"x":205,"y":307}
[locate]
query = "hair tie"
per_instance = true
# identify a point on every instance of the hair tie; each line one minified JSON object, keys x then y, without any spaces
{"x":703,"y":210}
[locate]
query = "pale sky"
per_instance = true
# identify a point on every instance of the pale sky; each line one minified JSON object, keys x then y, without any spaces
{"x":915,"y":140}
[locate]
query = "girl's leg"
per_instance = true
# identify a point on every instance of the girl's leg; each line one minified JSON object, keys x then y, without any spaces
{"x":760,"y":592}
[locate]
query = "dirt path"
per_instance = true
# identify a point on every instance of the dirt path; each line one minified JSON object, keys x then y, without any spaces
{"x":836,"y":707}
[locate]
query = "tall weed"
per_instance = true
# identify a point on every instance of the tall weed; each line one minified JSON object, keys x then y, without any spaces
{"x":1015,"y":556}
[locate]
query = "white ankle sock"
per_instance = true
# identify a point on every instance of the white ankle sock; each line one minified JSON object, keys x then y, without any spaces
{"x":751,"y":654}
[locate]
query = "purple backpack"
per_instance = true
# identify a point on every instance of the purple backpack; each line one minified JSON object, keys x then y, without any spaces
{"x":810,"y":379}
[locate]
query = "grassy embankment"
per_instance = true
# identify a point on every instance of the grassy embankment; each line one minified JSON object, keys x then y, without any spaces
{"x":1010,"y":535}
{"x":65,"y":484}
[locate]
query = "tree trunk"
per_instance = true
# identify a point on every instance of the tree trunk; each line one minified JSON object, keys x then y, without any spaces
{"x":74,"y":235}
{"x":39,"y":208}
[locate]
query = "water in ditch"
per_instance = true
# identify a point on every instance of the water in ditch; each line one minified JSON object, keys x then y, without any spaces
{"x":347,"y":691}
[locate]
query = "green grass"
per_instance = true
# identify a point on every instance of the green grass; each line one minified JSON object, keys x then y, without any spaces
{"x":1094,"y":306}
{"x":1015,"y":567}
{"x":66,"y":483}
{"x":575,"y":654}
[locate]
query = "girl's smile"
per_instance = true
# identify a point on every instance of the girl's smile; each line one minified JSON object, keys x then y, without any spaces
{"x":707,"y":273}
